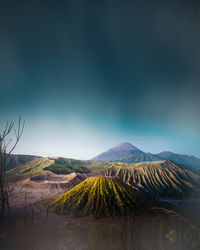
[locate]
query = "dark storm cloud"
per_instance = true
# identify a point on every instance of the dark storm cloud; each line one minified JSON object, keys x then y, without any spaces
{"x":125,"y":58}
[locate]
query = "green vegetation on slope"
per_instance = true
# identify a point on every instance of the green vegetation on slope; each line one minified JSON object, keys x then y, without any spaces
{"x":14,"y":160}
{"x":67,"y":166}
{"x":30,"y":168}
{"x":100,"y":197}
{"x":55,"y":165}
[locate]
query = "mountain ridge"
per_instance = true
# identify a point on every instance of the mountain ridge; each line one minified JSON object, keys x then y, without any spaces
{"x":116,"y":155}
{"x":164,"y":179}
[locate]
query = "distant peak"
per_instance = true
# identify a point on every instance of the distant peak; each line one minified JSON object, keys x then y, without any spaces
{"x":126,"y":146}
{"x":120,"y":152}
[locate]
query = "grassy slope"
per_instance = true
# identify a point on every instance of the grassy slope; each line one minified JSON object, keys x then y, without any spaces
{"x":30,"y":168}
{"x":14,"y":160}
{"x":55,"y":165}
{"x":100,"y":197}
{"x":67,"y":166}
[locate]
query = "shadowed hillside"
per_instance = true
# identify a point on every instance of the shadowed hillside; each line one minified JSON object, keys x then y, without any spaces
{"x":187,"y":160}
{"x":161,"y":179}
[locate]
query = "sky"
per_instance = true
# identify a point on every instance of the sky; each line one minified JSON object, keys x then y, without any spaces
{"x":86,"y":75}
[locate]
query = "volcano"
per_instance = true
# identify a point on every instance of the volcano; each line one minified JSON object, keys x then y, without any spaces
{"x":101,"y":197}
{"x":125,"y":152}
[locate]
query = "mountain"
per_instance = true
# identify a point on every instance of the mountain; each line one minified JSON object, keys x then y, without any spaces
{"x":158,"y":178}
{"x":162,"y":179}
{"x":187,"y":160}
{"x":121,"y":152}
{"x":101,"y":197}
{"x":128,"y":153}
{"x":125,"y":146}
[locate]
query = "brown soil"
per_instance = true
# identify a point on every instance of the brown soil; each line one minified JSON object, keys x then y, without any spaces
{"x":28,"y":192}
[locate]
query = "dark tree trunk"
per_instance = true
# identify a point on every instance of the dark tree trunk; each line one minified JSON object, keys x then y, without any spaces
{"x":8,"y":207}
{"x":2,"y":208}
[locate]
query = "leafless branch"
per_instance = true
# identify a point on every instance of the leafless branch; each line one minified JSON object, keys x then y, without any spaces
{"x":6,"y":185}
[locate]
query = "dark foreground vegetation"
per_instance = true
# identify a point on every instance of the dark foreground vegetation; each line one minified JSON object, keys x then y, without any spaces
{"x":154,"y":232}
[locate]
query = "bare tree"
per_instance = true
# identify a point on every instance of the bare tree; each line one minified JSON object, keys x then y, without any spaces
{"x":7,"y":146}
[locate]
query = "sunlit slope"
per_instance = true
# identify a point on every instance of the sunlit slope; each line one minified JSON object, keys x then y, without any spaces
{"x":14,"y":160}
{"x":30,"y":168}
{"x":162,"y":179}
{"x":100,"y":197}
{"x":56,"y":165}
